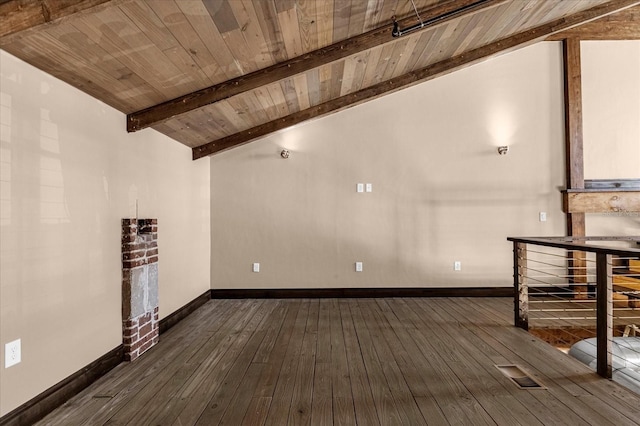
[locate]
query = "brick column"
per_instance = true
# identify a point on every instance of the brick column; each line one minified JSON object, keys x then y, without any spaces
{"x":140,"y":329}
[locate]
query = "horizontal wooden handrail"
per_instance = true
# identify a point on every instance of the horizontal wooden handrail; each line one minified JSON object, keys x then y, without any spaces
{"x":571,"y":243}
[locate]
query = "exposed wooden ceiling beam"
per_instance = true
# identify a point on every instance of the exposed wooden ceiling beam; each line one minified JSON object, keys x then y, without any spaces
{"x":412,"y":78}
{"x":209,"y":95}
{"x":623,"y":25}
{"x":21,"y":15}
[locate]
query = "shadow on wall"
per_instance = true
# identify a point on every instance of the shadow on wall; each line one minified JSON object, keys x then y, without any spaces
{"x":441,"y":193}
{"x":303,"y":220}
{"x":55,"y":226}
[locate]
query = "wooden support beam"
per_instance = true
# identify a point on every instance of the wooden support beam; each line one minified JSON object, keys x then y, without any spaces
{"x":573,"y":114}
{"x":326,"y":55}
{"x":440,"y":68}
{"x":623,"y":25}
{"x":574,"y":157}
{"x":600,"y":201}
{"x":21,"y":15}
{"x":577,"y":260}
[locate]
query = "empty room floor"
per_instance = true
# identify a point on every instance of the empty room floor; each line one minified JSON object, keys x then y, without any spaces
{"x":391,"y":361}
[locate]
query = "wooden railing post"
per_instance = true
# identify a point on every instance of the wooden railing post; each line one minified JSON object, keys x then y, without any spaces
{"x":578,"y":274}
{"x":521,"y":289}
{"x":604,"y":325}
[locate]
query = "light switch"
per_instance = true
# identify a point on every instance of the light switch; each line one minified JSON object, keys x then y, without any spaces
{"x":369,"y":187}
{"x":360,"y":187}
{"x":256,"y":267}
{"x":543,"y":216}
{"x":358,"y":266}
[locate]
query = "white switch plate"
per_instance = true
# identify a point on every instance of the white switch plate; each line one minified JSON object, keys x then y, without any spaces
{"x":256,"y":267}
{"x":358,"y":266}
{"x":543,"y":216}
{"x":369,"y":187}
{"x":457,"y":265}
{"x":360,"y":187}
{"x":12,"y":353}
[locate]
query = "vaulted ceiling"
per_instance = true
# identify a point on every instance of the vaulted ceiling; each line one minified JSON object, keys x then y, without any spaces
{"x":215,"y":74}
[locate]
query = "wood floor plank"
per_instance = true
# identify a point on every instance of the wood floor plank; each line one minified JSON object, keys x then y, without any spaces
{"x":488,"y":388}
{"x":343,"y":407}
{"x":615,"y":396}
{"x":343,"y":410}
{"x":562,"y":376}
{"x":569,"y":386}
{"x":384,"y":339}
{"x":300,"y":412}
{"x":538,"y":403}
{"x":283,"y":392}
{"x":431,"y":411}
{"x":404,"y":361}
{"x":200,"y":354}
{"x":220,"y":386}
{"x":323,"y":350}
{"x":464,"y":409}
{"x":274,"y":357}
{"x":195,"y":394}
{"x":105,"y":393}
{"x":238,"y":407}
{"x":156,"y":368}
{"x":412,"y":365}
{"x":434,"y":370}
{"x":322,"y":398}
{"x":322,"y":403}
{"x":264,"y":352}
{"x":365,"y":367}
{"x":257,"y":411}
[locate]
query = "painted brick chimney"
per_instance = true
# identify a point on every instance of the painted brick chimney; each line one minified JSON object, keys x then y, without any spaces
{"x":140,"y":325}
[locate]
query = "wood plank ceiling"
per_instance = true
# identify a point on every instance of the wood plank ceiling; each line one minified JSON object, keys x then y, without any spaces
{"x":215,"y":74}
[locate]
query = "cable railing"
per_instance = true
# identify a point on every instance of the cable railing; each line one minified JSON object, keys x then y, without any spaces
{"x":582,"y":294}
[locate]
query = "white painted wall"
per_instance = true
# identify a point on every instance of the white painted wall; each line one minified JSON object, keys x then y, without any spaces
{"x":611,"y":110}
{"x":68,"y":173}
{"x":441,"y":192}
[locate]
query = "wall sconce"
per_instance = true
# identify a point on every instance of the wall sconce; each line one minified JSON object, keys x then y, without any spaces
{"x":503,"y":150}
{"x":284,"y":153}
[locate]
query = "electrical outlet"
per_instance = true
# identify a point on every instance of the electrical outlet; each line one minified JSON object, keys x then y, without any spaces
{"x":369,"y":187}
{"x":12,"y":353}
{"x":543,"y":216}
{"x":256,"y":267}
{"x":457,"y":265}
{"x":358,"y":266}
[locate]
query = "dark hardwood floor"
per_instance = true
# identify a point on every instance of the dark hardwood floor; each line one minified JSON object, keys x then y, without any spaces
{"x":393,"y":361}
